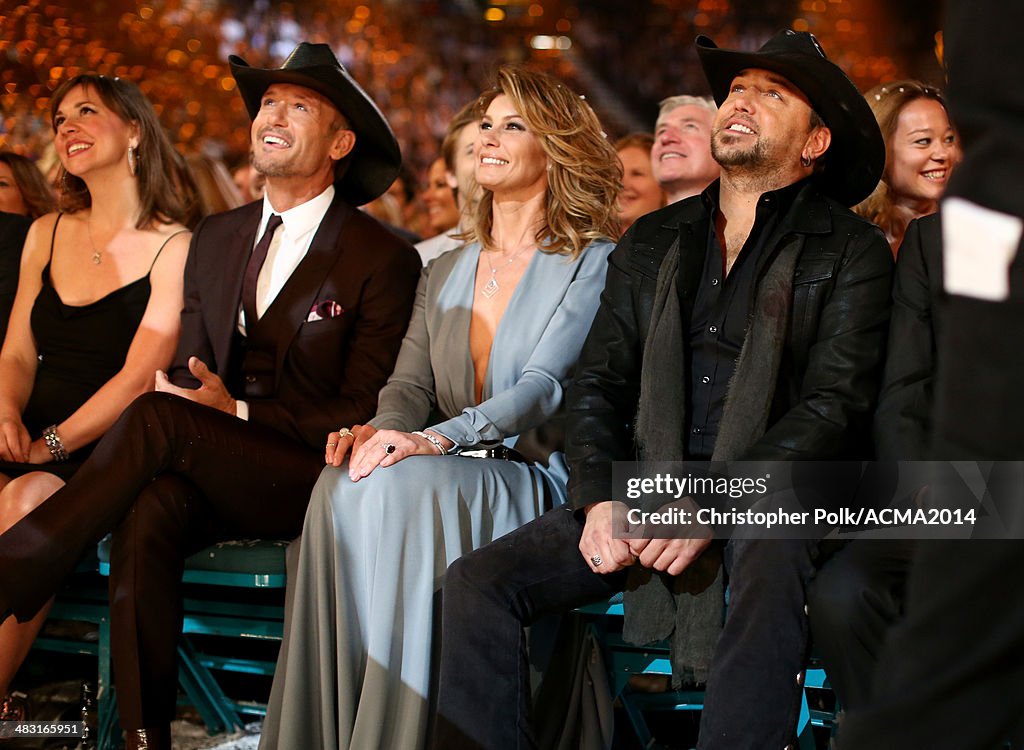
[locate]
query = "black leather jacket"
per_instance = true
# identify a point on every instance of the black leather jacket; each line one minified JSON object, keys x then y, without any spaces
{"x":831,"y":366}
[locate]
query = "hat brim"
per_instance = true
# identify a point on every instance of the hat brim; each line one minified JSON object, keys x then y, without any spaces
{"x":374,"y":162}
{"x":856,"y":156}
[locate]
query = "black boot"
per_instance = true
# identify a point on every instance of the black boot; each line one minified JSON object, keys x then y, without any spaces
{"x":153,"y":738}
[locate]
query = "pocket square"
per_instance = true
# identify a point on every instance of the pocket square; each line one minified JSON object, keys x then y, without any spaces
{"x":327,"y":308}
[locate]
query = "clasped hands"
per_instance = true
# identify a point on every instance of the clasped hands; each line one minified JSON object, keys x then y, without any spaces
{"x":605,"y":553}
{"x":17,"y":445}
{"x":370,"y":448}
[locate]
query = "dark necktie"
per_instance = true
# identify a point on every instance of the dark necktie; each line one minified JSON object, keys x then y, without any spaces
{"x":252,"y":271}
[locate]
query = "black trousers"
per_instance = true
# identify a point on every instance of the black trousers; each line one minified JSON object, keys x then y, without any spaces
{"x":951,"y":672}
{"x":853,"y":601}
{"x":754,"y":688}
{"x":171,"y":477}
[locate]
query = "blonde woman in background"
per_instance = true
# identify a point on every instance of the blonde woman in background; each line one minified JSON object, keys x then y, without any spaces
{"x":921,"y":151}
{"x":641,"y":193}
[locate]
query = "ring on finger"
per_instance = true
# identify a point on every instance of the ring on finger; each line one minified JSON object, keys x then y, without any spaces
{"x":332,"y":445}
{"x":390,"y":448}
{"x":596,"y":559}
{"x":344,"y":432}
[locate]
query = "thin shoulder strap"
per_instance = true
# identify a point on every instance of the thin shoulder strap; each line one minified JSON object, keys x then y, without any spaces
{"x":162,"y":249}
{"x":53,"y":237}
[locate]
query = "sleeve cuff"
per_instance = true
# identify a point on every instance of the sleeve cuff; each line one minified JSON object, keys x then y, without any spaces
{"x":455,"y":430}
{"x":242,"y":410}
{"x":979,"y":245}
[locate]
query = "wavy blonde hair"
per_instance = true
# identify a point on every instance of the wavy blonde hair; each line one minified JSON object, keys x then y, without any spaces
{"x":585,"y":176}
{"x":887,"y":101}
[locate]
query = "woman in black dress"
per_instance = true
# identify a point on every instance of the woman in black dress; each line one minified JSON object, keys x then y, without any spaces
{"x":98,"y":301}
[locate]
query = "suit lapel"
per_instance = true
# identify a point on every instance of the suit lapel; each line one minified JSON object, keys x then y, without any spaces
{"x":291,"y":307}
{"x":227,"y":286}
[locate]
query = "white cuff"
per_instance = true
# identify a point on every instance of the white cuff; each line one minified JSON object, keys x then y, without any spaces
{"x":242,"y":410}
{"x":978,"y":245}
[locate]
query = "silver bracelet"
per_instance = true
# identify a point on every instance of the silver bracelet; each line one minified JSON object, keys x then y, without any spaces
{"x":436,"y":443}
{"x":55,"y":445}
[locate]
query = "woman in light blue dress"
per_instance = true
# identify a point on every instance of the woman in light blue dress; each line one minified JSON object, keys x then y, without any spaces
{"x":496,"y":330}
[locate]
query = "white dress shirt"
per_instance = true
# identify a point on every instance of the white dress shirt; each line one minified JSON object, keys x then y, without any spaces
{"x":287,"y":249}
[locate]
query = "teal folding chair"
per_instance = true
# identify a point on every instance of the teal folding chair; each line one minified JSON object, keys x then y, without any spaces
{"x":623,"y":660}
{"x":239,"y":566}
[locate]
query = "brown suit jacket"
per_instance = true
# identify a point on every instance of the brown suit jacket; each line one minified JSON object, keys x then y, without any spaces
{"x":320,"y":374}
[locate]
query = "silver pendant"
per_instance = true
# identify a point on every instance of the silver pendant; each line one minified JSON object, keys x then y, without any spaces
{"x":97,"y":258}
{"x":490,"y":288}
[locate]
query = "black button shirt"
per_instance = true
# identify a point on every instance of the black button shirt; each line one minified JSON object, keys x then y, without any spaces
{"x":721,"y":310}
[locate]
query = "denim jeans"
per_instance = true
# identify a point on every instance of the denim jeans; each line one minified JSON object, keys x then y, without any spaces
{"x":490,"y":595}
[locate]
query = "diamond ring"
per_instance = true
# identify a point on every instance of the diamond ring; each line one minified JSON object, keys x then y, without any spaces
{"x":596,"y":559}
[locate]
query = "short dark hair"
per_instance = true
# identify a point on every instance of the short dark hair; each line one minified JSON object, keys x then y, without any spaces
{"x":816,"y":121}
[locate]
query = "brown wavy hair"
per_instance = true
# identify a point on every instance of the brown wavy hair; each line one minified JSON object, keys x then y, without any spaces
{"x":35,"y":192}
{"x":585,"y":175}
{"x":167,"y":192}
{"x":887,"y":100}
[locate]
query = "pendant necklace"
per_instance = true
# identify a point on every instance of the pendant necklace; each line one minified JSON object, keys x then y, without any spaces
{"x":97,"y":255}
{"x":491,"y":287}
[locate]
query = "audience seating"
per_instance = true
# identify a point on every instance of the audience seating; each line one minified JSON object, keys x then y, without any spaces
{"x":623,"y":660}
{"x":239,"y":566}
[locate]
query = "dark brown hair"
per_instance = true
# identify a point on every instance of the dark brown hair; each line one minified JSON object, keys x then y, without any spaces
{"x":167,"y":192}
{"x":37,"y":195}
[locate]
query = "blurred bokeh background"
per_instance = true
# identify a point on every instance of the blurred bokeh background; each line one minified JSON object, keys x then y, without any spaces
{"x":422,"y":59}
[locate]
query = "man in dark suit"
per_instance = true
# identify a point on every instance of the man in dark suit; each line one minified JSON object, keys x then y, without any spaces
{"x":13,"y":229}
{"x":281,"y":343}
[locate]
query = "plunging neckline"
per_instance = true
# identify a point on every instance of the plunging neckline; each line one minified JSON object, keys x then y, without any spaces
{"x":486,"y":390}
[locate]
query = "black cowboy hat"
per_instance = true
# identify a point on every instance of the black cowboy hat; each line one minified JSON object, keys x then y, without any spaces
{"x":856,"y":157}
{"x":373,"y":164}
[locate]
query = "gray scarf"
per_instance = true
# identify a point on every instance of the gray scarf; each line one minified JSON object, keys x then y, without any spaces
{"x":688,"y":608}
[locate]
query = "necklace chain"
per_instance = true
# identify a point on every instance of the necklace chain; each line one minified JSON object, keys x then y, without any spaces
{"x":97,"y":255}
{"x":492,"y":287}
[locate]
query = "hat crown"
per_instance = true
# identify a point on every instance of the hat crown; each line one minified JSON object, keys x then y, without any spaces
{"x":373,"y":163}
{"x":856,"y":156}
{"x":308,"y":55}
{"x":801,"y":42}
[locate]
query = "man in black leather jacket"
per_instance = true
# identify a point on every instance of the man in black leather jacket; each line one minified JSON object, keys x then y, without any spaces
{"x":746,"y":323}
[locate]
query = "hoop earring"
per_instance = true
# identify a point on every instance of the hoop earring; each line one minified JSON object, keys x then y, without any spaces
{"x":133,"y":166}
{"x":805,"y":161}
